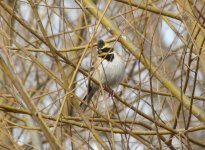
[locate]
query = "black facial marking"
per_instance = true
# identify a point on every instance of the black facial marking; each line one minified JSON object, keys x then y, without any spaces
{"x":108,"y":57}
{"x":106,"y":50}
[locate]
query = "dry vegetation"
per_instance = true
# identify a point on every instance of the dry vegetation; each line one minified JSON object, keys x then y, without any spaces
{"x":46,"y":47}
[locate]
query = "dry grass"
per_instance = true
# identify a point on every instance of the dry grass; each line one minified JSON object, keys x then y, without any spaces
{"x":46,"y":48}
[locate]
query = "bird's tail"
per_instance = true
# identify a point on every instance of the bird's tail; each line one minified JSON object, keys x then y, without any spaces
{"x":87,"y":99}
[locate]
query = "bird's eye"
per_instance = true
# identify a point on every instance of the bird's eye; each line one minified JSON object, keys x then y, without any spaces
{"x":106,"y":49}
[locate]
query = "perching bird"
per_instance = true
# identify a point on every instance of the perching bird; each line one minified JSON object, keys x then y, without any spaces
{"x":109,"y":70}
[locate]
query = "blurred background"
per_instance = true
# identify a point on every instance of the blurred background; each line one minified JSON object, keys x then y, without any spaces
{"x":47,"y":48}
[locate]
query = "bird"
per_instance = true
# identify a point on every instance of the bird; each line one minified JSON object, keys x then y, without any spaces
{"x":109,"y":70}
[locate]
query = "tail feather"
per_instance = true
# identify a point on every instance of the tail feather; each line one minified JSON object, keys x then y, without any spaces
{"x":87,"y":99}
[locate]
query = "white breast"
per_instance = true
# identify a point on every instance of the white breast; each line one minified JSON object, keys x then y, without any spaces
{"x":110,"y":73}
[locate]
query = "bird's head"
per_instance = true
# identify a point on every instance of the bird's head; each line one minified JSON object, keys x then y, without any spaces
{"x":103,"y":48}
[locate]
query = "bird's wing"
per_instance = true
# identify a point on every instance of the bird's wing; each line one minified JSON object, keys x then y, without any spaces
{"x":92,"y":87}
{"x":90,"y":90}
{"x":88,"y":97}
